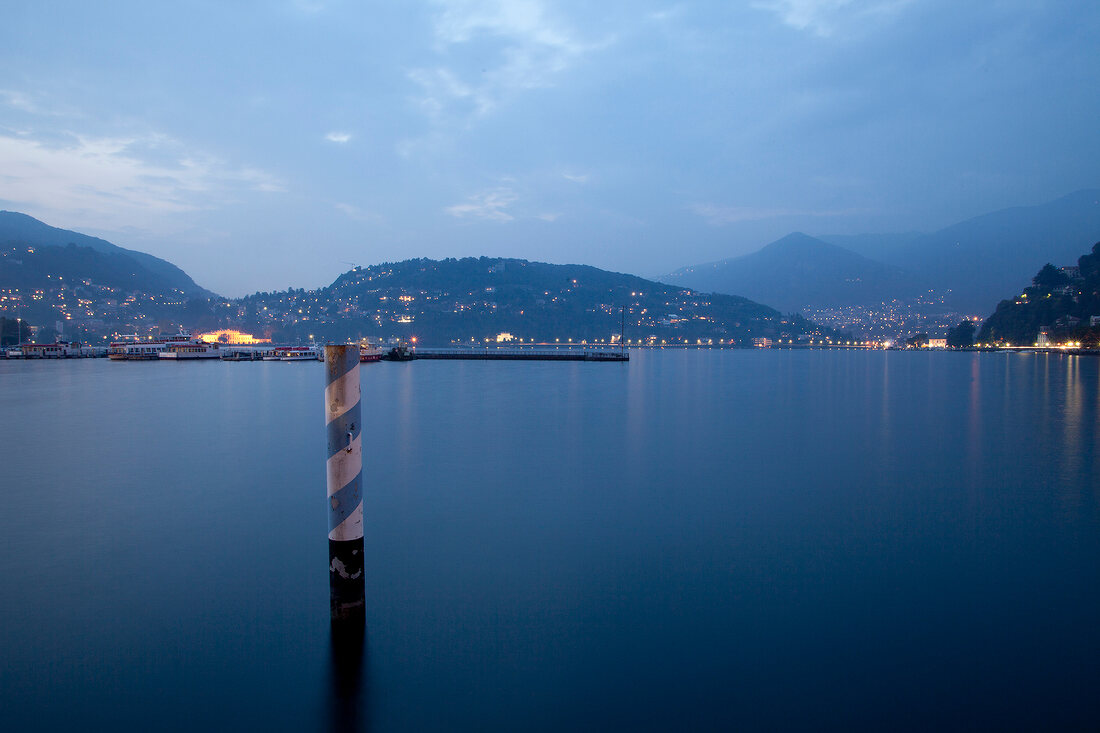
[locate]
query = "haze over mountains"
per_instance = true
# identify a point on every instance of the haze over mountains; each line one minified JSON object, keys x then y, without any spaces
{"x":798,"y":270}
{"x":88,"y":288}
{"x":969,"y":266}
{"x":990,"y":257}
{"x":980,"y":261}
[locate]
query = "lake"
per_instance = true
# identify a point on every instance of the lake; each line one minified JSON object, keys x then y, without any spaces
{"x":692,"y":540}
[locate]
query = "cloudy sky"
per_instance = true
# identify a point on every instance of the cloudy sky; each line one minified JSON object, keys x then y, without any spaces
{"x":261,"y":145}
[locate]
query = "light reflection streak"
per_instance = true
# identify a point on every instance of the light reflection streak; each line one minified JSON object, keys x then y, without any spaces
{"x":1070,"y":463}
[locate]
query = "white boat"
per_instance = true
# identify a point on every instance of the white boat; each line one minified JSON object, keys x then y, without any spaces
{"x":138,"y":351}
{"x":58,"y":350}
{"x":134,"y":350}
{"x":190,"y":350}
{"x":298,"y":353}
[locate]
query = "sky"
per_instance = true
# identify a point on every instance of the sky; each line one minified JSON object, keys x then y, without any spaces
{"x":266,"y":145}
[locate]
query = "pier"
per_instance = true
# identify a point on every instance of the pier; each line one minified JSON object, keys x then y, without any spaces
{"x":521,"y":354}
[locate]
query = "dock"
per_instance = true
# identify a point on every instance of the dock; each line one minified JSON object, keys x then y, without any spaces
{"x":523,"y":354}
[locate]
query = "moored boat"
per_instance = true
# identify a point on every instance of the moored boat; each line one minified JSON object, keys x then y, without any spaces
{"x":400,"y":353}
{"x":132,"y":349}
{"x":141,"y":351}
{"x":58,"y":350}
{"x":297,"y":353}
{"x":190,"y":350}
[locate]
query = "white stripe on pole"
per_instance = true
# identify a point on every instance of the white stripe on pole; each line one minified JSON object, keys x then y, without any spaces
{"x":344,"y":467}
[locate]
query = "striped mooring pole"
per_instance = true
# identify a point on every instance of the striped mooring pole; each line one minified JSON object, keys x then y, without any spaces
{"x":345,"y":483}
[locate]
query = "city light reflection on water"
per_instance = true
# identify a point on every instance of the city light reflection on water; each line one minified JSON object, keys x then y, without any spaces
{"x":693,"y":539}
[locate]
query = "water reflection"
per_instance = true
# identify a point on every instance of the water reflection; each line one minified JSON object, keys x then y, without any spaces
{"x":975,"y":438}
{"x":1073,"y":454}
{"x":789,"y":526}
{"x":348,"y":693}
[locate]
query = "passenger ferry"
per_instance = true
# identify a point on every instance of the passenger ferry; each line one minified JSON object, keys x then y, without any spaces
{"x":298,"y":353}
{"x":190,"y":350}
{"x":134,"y":350}
{"x":58,"y":350}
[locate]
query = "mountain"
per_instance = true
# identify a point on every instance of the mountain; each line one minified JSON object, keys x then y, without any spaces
{"x":969,"y":265}
{"x":18,"y":229}
{"x":876,"y":247}
{"x":983,"y":258}
{"x":37,"y":267}
{"x":472,"y":300}
{"x":1061,"y":300}
{"x":90,"y":288}
{"x":799,"y":272}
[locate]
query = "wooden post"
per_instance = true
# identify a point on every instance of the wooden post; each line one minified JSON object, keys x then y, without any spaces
{"x":345,"y":483}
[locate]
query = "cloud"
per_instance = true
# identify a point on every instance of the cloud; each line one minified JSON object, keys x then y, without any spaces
{"x":119,"y":180}
{"x":825,"y":17}
{"x":531,"y":48}
{"x":722,"y":215}
{"x":338,"y":137}
{"x":489,"y":205}
{"x":441,"y":87}
{"x":258,"y":180}
{"x":523,"y":21}
{"x":356,"y":213}
{"x":19,"y":100}
{"x":35,"y":105}
{"x":662,"y":16}
{"x":575,"y":177}
{"x":548,"y":217}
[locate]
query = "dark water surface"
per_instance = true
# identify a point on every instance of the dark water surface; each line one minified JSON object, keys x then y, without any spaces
{"x":693,"y":540}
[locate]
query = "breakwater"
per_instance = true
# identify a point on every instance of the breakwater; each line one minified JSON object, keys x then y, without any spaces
{"x":523,"y":354}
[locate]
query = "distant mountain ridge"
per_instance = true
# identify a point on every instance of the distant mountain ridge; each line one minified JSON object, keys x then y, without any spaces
{"x":473,"y":300}
{"x":20,"y":229}
{"x":91,"y":288}
{"x":876,"y":246}
{"x":982,"y":258}
{"x":799,"y":271}
{"x":977,"y":260}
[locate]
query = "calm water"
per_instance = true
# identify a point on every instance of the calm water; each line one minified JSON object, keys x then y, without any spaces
{"x":693,"y":540}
